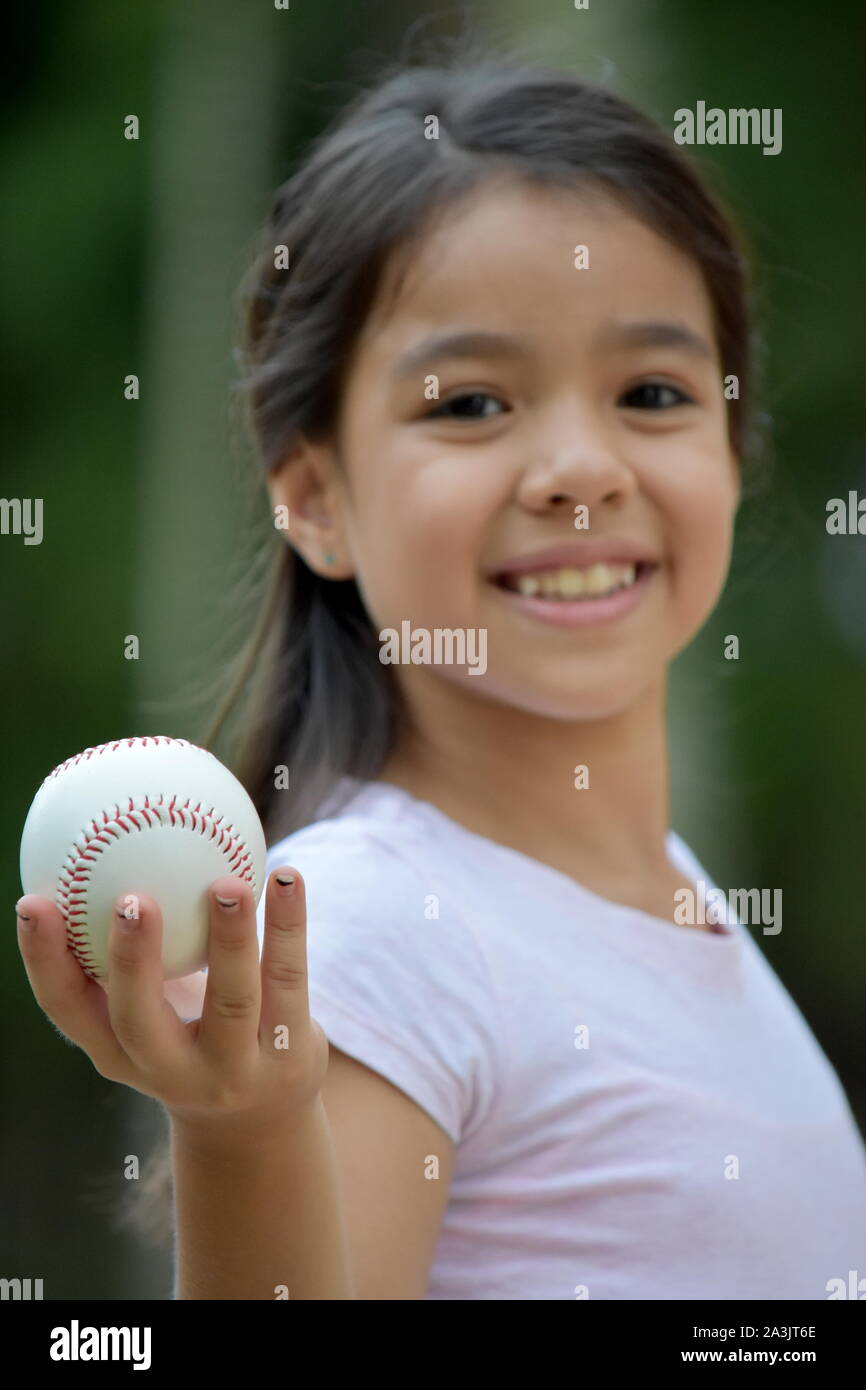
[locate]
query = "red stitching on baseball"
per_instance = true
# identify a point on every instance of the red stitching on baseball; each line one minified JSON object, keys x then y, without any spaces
{"x":71,"y":895}
{"x":100,"y":748}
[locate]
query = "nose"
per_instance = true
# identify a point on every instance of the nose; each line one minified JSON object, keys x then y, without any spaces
{"x":580,"y":466}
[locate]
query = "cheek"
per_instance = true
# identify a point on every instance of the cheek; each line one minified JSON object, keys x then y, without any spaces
{"x":700,"y":542}
{"x":413,"y":557}
{"x":418,"y":541}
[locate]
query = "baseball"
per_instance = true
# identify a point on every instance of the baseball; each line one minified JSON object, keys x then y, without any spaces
{"x":151,"y":815}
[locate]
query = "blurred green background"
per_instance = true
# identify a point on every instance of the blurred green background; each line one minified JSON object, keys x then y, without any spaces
{"x":124,"y":257}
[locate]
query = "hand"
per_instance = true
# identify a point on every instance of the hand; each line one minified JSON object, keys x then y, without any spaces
{"x":253,"y":1057}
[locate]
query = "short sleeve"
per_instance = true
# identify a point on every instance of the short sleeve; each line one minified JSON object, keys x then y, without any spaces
{"x":396,"y":979}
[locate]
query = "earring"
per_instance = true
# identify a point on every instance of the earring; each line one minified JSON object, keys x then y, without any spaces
{"x":329,"y":558}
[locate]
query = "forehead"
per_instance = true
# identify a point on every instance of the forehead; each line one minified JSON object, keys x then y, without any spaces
{"x":504,"y":255}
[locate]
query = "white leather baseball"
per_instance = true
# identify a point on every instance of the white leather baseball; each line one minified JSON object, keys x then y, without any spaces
{"x":151,"y":815}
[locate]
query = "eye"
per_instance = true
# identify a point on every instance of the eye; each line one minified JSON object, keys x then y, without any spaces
{"x":655,"y":395}
{"x":443,"y":411}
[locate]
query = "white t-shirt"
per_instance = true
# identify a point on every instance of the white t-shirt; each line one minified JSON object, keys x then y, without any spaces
{"x":699,"y":1147}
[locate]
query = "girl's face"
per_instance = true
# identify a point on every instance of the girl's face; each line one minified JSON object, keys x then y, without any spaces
{"x":608,"y":396}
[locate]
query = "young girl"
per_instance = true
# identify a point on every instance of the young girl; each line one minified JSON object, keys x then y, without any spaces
{"x":489,"y":387}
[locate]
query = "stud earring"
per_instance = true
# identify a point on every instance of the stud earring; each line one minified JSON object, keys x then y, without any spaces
{"x":329,"y":558}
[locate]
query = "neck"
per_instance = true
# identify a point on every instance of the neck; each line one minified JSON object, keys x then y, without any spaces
{"x":510,"y":776}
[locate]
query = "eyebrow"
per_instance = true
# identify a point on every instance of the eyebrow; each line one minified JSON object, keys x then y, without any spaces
{"x":675,"y":335}
{"x":471,"y":343}
{"x":481,"y":343}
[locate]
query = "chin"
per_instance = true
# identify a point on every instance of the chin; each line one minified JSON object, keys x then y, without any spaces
{"x":574,"y":701}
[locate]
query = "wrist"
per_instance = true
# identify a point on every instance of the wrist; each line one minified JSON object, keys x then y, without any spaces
{"x":245,"y":1132}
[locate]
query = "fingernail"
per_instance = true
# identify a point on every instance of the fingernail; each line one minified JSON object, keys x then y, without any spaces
{"x":226,"y":903}
{"x":285,"y":884}
{"x":26,"y":922}
{"x":126,"y":909}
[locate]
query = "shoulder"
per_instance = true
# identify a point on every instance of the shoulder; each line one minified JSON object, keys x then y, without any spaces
{"x":378,"y":892}
{"x":395,"y":974}
{"x":351,"y":856}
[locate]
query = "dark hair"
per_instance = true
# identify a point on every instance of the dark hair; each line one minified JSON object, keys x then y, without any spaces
{"x":360,"y":200}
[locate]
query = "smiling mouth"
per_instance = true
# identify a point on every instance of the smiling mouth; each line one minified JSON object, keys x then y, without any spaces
{"x":568,"y":583}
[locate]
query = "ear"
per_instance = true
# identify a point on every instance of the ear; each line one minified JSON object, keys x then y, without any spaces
{"x":309,"y":491}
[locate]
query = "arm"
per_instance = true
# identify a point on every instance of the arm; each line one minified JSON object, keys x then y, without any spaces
{"x":336,"y":1206}
{"x":393,"y":1204}
{"x":256,"y":1213}
{"x":269,"y":1188}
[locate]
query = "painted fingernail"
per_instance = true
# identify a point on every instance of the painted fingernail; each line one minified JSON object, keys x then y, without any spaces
{"x":126,"y":909}
{"x":285,"y":884}
{"x":25,"y":921}
{"x":227,"y":904}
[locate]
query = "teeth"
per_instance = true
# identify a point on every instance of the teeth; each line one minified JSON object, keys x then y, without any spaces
{"x":571,"y":582}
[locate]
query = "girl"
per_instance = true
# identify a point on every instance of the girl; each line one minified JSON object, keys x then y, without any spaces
{"x":490,"y":392}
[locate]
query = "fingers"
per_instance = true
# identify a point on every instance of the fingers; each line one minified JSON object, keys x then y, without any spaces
{"x":285,"y":1001}
{"x":74,"y":1002}
{"x":229,"y":1026}
{"x":127,"y":1025}
{"x":144,"y":1023}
